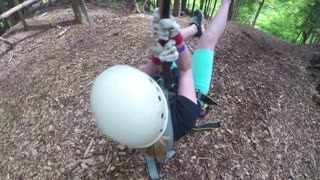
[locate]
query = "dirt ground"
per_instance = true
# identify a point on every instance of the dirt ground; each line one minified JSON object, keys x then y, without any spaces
{"x":270,"y":123}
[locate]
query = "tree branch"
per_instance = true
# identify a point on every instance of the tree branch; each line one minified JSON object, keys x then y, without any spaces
{"x":17,"y":8}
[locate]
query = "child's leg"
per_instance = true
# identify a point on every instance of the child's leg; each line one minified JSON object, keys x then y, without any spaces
{"x":202,"y":59}
{"x":189,"y":31}
{"x":216,"y":28}
{"x":195,"y":28}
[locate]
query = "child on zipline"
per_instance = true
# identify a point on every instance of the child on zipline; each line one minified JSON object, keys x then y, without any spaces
{"x":130,"y":107}
{"x":194,"y":71}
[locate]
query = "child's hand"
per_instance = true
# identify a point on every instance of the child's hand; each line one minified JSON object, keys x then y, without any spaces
{"x":168,"y":53}
{"x":166,"y":29}
{"x":155,"y":21}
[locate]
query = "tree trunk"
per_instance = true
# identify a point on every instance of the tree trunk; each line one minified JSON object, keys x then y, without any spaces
{"x":201,"y":4}
{"x":80,"y":12}
{"x":317,"y":39}
{"x":188,"y":5}
{"x":298,"y":36}
{"x":206,"y":9}
{"x":144,"y":6}
{"x":20,"y":15}
{"x":214,"y":7}
{"x":24,"y":10}
{"x":148,"y":6}
{"x":176,"y":8}
{"x":237,"y":7}
{"x":304,"y":26}
{"x":11,"y":5}
{"x":313,"y":35}
{"x":194,"y":3}
{"x":231,"y":11}
{"x":306,"y":35}
{"x":256,"y":17}
{"x":136,"y":7}
{"x":183,"y":5}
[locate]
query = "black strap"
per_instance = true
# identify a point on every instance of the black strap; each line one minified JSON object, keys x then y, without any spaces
{"x":207,"y":126}
{"x":206,"y":99}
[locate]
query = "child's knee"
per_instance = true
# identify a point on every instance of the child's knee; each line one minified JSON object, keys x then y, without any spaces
{"x":207,"y":41}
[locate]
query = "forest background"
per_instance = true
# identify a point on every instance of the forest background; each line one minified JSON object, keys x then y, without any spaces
{"x":295,"y":21}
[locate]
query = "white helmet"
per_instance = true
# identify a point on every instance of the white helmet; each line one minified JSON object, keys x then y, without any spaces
{"x":129,"y":106}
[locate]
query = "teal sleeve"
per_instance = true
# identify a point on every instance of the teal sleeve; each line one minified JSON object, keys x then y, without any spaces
{"x":202,"y":66}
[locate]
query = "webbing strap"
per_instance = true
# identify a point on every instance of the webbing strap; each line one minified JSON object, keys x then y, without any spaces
{"x":207,"y":126}
{"x":206,"y":99}
{"x":152,"y":168}
{"x":169,"y":128}
{"x":151,"y":161}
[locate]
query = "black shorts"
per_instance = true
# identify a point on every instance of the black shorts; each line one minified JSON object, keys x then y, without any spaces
{"x":184,"y":114}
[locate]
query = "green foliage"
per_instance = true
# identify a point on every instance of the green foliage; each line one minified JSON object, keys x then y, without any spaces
{"x":37,"y":13}
{"x":247,"y":11}
{"x":282,"y":18}
{"x":6,"y":3}
{"x":114,"y":5}
{"x":2,"y":24}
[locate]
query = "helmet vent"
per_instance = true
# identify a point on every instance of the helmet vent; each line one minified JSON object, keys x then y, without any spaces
{"x":150,"y":80}
{"x":159,"y":98}
{"x":162,"y":116}
{"x":157,"y":89}
{"x":161,"y":130}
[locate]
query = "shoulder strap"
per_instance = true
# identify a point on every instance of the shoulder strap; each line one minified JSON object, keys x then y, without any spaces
{"x":151,"y":161}
{"x":152,"y":168}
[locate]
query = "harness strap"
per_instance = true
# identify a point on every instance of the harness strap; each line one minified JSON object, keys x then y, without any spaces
{"x":152,"y":168}
{"x":151,"y":161}
{"x":210,"y":101}
{"x":208,"y":126}
{"x":206,"y":99}
{"x":205,"y":102}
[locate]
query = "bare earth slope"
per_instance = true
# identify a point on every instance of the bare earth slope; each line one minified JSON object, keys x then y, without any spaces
{"x":270,"y":122}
